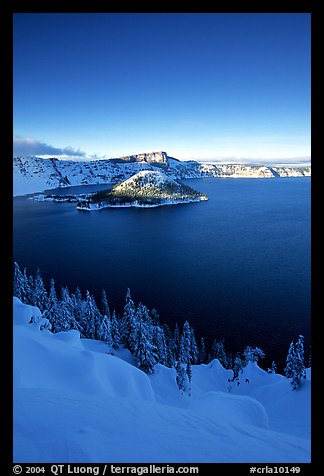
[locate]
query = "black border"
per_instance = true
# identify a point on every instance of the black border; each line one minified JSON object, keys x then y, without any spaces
{"x":8,"y":9}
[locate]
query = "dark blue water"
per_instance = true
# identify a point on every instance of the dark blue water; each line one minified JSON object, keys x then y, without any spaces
{"x":236,"y":266}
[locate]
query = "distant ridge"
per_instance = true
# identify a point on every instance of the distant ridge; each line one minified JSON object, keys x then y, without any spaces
{"x":35,"y":174}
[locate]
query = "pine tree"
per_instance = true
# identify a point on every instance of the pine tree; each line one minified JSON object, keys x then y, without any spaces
{"x":115,"y":332}
{"x":128,"y":323}
{"x":144,"y":350}
{"x":67,"y":310}
{"x":159,"y":342}
{"x":39,"y":292}
{"x":252,"y":354}
{"x":92,"y":318}
{"x":185,"y":343}
{"x":194,"y":352}
{"x":290,"y":361}
{"x":105,"y":306}
{"x":19,"y":285}
{"x":218,"y":352}
{"x":202,"y":351}
{"x":295,"y":367}
{"x":30,"y":291}
{"x":52,"y":312}
{"x":169,"y":346}
{"x":104,"y":331}
{"x":237,"y":364}
{"x":299,"y":367}
{"x":273,"y":368}
{"x":78,"y":306}
{"x":181,"y":376}
{"x":176,"y":343}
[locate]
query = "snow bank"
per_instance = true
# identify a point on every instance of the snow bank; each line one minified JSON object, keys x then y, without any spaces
{"x":60,"y":361}
{"x":74,"y":402}
{"x":239,"y":410}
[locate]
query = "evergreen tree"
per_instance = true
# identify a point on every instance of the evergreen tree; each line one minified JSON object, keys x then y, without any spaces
{"x":78,"y":306}
{"x":273,"y":368}
{"x":218,"y":352}
{"x":30,"y":291}
{"x":181,"y":376}
{"x":252,"y":354}
{"x":296,"y":363}
{"x":169,"y":346}
{"x":52,"y":312}
{"x":155,"y":318}
{"x":237,"y":364}
{"x":202,"y":351}
{"x":39,"y":292}
{"x":176,"y":343}
{"x":104,"y":331}
{"x":105,"y":306}
{"x":144,"y":350}
{"x":92,"y":318}
{"x":194,"y":351}
{"x":19,"y":285}
{"x":290,"y":361}
{"x":185,"y":343}
{"x":66,"y":311}
{"x":128,"y":324}
{"x":115,"y":332}
{"x":159,"y":342}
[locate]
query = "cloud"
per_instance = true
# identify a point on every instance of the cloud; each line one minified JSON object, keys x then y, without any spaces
{"x":29,"y":146}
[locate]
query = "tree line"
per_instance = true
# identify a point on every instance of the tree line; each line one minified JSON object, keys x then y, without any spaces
{"x":139,"y":330}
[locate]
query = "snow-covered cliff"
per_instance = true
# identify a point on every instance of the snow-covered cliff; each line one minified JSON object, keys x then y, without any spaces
{"x":34,"y":174}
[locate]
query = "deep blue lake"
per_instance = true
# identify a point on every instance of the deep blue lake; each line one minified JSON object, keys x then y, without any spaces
{"x":236,"y":266}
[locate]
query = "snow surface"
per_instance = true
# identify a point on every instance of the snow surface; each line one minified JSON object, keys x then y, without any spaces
{"x":76,"y":402}
{"x":35,"y":174}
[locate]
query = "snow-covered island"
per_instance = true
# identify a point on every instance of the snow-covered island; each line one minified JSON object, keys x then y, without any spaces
{"x":148,"y":188}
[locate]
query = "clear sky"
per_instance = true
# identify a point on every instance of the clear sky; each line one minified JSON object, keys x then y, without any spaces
{"x":201,"y":86}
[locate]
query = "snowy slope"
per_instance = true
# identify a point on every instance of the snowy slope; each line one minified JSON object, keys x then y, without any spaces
{"x":73,"y":402}
{"x":34,"y":174}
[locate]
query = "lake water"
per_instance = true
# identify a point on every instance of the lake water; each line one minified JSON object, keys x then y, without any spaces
{"x":236,"y":266}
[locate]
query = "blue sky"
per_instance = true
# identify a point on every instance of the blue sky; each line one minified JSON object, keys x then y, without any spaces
{"x":202,"y":86}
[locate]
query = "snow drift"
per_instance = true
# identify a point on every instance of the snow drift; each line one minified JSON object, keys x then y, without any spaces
{"x":75,"y":402}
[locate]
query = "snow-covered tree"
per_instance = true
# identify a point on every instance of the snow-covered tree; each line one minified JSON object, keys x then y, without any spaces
{"x":273,"y":368}
{"x":176,"y":342}
{"x":52,"y":312}
{"x":66,"y":311}
{"x":181,"y":376}
{"x":91,"y":318}
{"x":194,"y":351}
{"x":30,"y":291}
{"x":144,"y":350}
{"x":39,"y":292}
{"x":218,"y":352}
{"x":128,"y":326}
{"x":185,"y":343}
{"x":237,"y":364}
{"x":115,"y":331}
{"x":159,"y":342}
{"x":295,"y":367}
{"x":105,"y":305}
{"x":169,"y":346}
{"x":252,"y":354}
{"x":202,"y":351}
{"x":19,"y":283}
{"x":78,"y":306}
{"x":104,"y":331}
